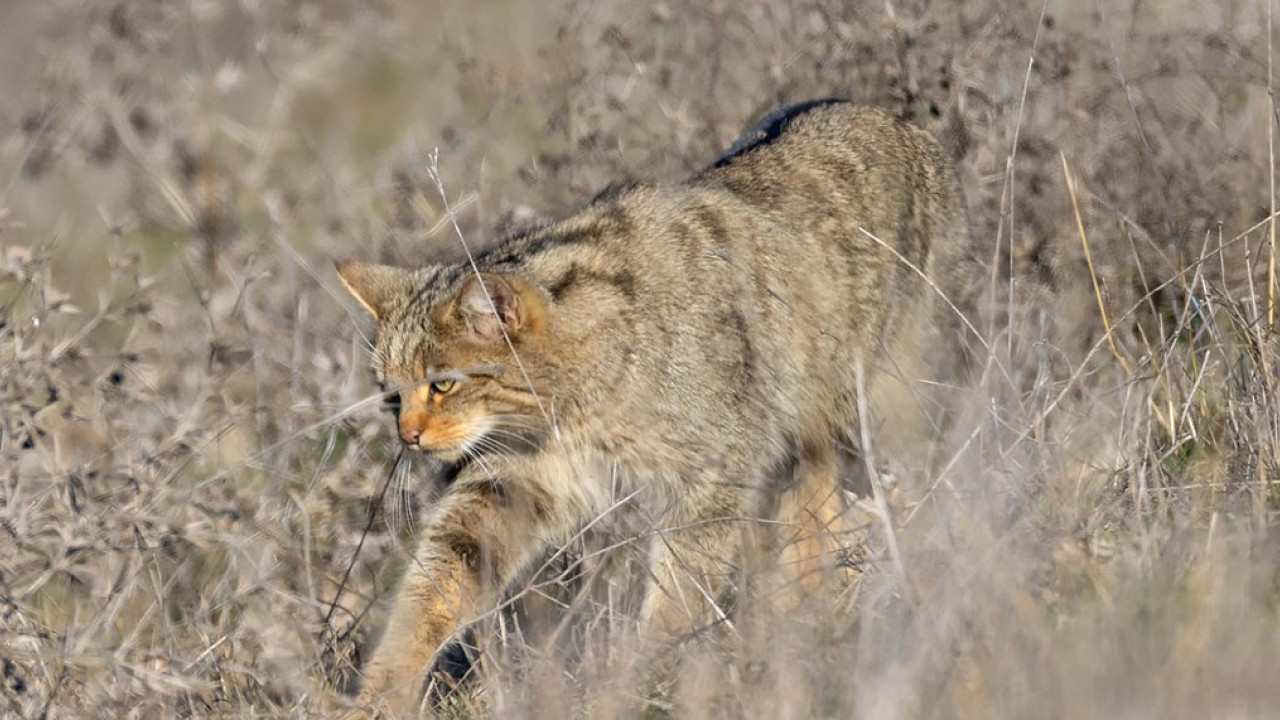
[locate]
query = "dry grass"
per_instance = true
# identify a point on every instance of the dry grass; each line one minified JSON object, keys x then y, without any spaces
{"x":192,"y":466}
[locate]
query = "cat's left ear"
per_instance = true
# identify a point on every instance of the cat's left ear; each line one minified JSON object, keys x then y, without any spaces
{"x":377,"y":287}
{"x":492,"y":304}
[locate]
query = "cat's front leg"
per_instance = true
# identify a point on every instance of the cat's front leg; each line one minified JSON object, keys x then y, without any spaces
{"x":435,"y":597}
{"x":475,"y":543}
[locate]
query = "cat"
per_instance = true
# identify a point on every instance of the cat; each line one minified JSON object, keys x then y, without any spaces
{"x":681,"y":345}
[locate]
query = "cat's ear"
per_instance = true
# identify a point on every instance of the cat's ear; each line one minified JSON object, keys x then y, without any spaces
{"x":491,"y":303}
{"x":375,"y":286}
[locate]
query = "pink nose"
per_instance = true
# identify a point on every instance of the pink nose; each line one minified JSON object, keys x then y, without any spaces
{"x":410,"y":434}
{"x":412,"y":424}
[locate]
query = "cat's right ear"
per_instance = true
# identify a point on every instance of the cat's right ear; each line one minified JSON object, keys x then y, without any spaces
{"x":375,"y":286}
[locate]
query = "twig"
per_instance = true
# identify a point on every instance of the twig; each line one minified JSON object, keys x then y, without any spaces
{"x":434,"y":170}
{"x":368,"y":526}
{"x":1011,"y":163}
{"x":877,"y":488}
{"x":1271,"y":174}
{"x":1093,"y":273}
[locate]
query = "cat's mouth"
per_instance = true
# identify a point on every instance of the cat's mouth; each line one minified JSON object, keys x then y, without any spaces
{"x":451,"y":454}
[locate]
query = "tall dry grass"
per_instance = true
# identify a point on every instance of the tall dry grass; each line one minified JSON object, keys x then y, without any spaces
{"x":202,"y":509}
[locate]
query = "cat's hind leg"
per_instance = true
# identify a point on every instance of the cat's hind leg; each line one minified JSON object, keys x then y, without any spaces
{"x":817,"y":535}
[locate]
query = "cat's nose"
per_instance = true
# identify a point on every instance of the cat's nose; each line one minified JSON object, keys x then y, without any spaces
{"x":410,"y":434}
{"x":412,"y":424}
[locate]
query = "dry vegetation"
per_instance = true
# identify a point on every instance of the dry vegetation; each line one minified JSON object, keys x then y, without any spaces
{"x":194,"y":508}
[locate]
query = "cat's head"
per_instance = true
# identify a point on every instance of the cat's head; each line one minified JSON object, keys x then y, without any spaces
{"x":460,"y":351}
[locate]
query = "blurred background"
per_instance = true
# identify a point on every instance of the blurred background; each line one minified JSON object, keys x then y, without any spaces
{"x":195,"y":517}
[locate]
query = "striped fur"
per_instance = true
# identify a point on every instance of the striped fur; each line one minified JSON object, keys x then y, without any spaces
{"x":677,"y":342}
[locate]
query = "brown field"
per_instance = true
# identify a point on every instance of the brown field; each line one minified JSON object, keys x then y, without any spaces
{"x":201,"y":508}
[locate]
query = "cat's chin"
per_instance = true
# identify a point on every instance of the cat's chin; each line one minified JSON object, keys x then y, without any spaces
{"x":447,"y":455}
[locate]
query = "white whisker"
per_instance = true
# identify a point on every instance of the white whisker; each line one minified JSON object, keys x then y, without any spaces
{"x":524,"y":438}
{"x":495,"y":446}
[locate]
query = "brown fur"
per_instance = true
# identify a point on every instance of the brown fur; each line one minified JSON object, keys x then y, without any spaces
{"x":681,"y":342}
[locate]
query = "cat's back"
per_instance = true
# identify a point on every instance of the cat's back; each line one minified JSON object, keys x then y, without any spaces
{"x":837,"y":159}
{"x":821,"y":193}
{"x":813,"y":134}
{"x":862,"y":194}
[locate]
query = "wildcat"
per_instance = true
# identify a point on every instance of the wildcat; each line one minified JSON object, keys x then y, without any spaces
{"x":678,"y":344}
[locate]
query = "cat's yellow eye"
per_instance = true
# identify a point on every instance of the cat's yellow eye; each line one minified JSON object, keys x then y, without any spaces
{"x":440,"y":387}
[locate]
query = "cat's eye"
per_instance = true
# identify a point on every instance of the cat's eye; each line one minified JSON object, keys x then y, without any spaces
{"x":440,"y":387}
